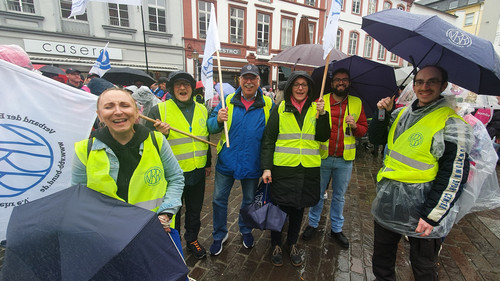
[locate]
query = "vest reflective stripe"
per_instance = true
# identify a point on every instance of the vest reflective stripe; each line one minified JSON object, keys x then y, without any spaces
{"x":295,"y":146}
{"x":190,"y":153}
{"x":230,"y":107}
{"x":409,"y":157}
{"x":147,"y":185}
{"x":355,"y":105}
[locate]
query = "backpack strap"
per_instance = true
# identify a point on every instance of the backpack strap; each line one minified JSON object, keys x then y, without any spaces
{"x":89,"y":146}
{"x":155,"y":143}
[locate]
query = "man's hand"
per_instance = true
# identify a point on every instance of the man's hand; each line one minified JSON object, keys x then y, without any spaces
{"x":162,"y":127}
{"x":165,"y":222}
{"x":222,"y":115}
{"x":320,"y":106}
{"x":423,"y":228}
{"x":386,"y":103}
{"x":266,"y":176}
{"x":349,"y":120}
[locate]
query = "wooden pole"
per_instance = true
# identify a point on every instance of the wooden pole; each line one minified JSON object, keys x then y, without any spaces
{"x":179,"y":131}
{"x":324,"y":80}
{"x":222,"y":99}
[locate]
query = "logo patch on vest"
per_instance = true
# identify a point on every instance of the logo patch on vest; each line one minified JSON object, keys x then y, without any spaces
{"x":202,"y":122}
{"x":415,"y":139}
{"x":153,"y":176}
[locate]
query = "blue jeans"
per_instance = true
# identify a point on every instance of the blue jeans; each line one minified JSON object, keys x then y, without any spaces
{"x":222,"y":189}
{"x":339,"y":170}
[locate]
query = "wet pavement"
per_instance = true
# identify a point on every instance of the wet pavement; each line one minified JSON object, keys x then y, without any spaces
{"x":470,"y":252}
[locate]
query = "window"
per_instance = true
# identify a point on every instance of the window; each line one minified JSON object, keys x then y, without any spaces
{"x":311,"y":3}
{"x":341,"y":5}
{"x":157,"y":15}
{"x":203,"y":18}
{"x":66,"y":10}
{"x":286,"y":33}
{"x":118,"y":14}
{"x":267,"y":1}
{"x":311,"y":32}
{"x":372,"y":6}
{"x":25,"y":6}
{"x":471,"y":2}
{"x":263,"y":24}
{"x":353,"y":43}
{"x":356,"y":6}
{"x":237,"y":25}
{"x":387,"y":5}
{"x":338,"y":40}
{"x":453,"y":4}
{"x":368,"y":47}
{"x":394,"y":58}
{"x":381,"y":52}
{"x":469,"y":19}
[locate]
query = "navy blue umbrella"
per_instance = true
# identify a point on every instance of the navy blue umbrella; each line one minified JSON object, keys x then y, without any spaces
{"x":370,"y":81}
{"x":81,"y":234}
{"x":471,"y":62}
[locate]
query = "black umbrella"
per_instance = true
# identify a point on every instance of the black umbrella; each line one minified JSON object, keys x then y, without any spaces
{"x":81,"y":234}
{"x":127,"y":76}
{"x":50,"y":69}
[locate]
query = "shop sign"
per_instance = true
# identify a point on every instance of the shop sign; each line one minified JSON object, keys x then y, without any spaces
{"x":68,"y":49}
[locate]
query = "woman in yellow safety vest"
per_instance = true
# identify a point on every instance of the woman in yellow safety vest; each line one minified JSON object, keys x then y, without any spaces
{"x":290,"y":158}
{"x":127,"y":161}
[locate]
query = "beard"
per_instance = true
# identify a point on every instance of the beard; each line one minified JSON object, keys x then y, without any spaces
{"x":341,"y":93}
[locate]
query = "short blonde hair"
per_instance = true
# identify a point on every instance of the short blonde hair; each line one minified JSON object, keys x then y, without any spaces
{"x":119,"y":90}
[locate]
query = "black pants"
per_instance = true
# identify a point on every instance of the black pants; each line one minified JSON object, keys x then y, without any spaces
{"x":294,"y":223}
{"x":423,"y":255}
{"x":192,"y":198}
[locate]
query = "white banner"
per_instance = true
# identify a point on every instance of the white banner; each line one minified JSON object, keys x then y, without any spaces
{"x":40,"y":120}
{"x":332,"y":25}
{"x":212,"y":44}
{"x":102,"y":64}
{"x":78,"y":7}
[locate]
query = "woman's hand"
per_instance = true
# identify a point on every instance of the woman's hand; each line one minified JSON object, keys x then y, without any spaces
{"x":266,"y":176}
{"x":165,"y":222}
{"x":162,"y":127}
{"x":320,"y":106}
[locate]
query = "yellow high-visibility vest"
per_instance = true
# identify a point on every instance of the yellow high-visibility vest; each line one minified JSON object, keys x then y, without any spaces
{"x":295,"y":146}
{"x":355,"y":105}
{"x":190,"y":153}
{"x":409,"y":157}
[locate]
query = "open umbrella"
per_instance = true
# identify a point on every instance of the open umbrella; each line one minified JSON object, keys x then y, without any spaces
{"x":80,"y":234}
{"x":50,"y":69}
{"x":402,"y":75}
{"x":370,"y":81}
{"x":127,"y":76}
{"x":471,"y":62}
{"x":305,"y":57}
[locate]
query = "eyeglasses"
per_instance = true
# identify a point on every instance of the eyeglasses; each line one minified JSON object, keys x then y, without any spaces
{"x":298,"y":85}
{"x":182,"y":83}
{"x":249,"y":77}
{"x":337,"y":80}
{"x":430,"y":82}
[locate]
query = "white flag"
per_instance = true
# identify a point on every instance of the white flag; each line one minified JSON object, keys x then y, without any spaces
{"x":212,"y":44}
{"x":78,"y":6}
{"x":330,"y":34}
{"x":37,"y":135}
{"x":102,"y":63}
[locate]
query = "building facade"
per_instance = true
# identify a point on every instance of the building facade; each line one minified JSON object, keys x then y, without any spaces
{"x":46,"y":33}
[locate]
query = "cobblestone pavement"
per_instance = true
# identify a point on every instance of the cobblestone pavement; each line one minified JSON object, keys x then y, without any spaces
{"x":470,"y":252}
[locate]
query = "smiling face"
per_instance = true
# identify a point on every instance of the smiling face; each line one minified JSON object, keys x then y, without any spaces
{"x":182,"y":90}
{"x":117,"y":109}
{"x":249,"y":84}
{"x":300,"y":89}
{"x":428,"y":85}
{"x":340,"y":84}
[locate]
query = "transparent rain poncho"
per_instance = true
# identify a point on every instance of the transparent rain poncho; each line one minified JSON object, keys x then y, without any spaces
{"x":397,"y":204}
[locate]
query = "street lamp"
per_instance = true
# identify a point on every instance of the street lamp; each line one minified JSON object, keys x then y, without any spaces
{"x":195,"y":58}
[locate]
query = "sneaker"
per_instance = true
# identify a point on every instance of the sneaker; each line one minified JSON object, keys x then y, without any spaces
{"x":277,"y":256}
{"x":340,"y":238}
{"x":295,"y":255}
{"x":198,"y":251}
{"x":216,"y":247}
{"x":248,"y":241}
{"x":308,"y":233}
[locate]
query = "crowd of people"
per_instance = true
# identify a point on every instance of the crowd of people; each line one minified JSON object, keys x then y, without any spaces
{"x":298,"y":145}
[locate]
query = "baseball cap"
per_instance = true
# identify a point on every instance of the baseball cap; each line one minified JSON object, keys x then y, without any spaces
{"x":72,"y":70}
{"x":249,"y":69}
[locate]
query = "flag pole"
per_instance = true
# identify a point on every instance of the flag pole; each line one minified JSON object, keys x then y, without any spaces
{"x":222,"y":97}
{"x":324,"y":80}
{"x":144,"y":37}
